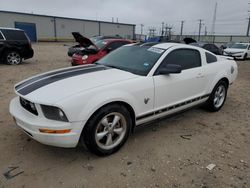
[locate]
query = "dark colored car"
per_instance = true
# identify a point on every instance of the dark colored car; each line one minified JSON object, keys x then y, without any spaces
{"x":158,"y":39}
{"x":81,"y":40}
{"x":14,"y":46}
{"x":97,"y":50}
{"x":208,"y":46}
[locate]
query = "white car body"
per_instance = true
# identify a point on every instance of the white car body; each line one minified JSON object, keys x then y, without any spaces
{"x":79,"y":96}
{"x":238,"y":53}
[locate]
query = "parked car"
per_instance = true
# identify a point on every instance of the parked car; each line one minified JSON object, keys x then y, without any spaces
{"x":227,"y":45}
{"x":14,"y":46}
{"x":99,"y":105}
{"x":158,"y":39}
{"x":208,"y":46}
{"x":83,"y":42}
{"x":97,"y":50}
{"x":238,"y":51}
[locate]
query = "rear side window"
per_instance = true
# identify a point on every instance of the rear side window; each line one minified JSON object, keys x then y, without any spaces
{"x":210,"y":58}
{"x":187,"y":58}
{"x":14,"y":34}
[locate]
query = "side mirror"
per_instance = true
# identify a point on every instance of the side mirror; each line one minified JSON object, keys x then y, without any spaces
{"x":170,"y":69}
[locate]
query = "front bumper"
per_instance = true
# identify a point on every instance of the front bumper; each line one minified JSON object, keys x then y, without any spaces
{"x":31,"y":124}
{"x":236,"y":56}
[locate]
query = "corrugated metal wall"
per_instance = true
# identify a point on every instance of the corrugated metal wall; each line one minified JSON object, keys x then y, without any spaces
{"x":50,"y":28}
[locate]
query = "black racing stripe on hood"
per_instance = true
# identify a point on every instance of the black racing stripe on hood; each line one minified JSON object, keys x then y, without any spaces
{"x":36,"y":85}
{"x":30,"y":81}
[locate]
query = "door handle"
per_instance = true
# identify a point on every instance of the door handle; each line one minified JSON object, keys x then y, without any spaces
{"x":200,"y":75}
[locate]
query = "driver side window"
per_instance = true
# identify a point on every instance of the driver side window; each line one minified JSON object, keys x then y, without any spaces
{"x":186,"y":58}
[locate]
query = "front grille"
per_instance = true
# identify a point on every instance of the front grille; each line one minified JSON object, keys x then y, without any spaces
{"x":29,"y":106}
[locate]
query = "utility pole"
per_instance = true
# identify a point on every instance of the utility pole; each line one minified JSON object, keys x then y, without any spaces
{"x":142,"y":29}
{"x":205,"y":31}
{"x":182,"y":23}
{"x":214,"y":19}
{"x":248,"y":27}
{"x":200,"y":24}
{"x":162,"y":28}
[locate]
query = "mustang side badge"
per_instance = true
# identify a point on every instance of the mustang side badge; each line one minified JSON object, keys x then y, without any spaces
{"x":146,"y":100}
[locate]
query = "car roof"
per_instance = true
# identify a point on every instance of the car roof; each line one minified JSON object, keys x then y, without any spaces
{"x":115,"y":39}
{"x":170,"y":45}
{"x":8,"y":28}
{"x":242,"y":43}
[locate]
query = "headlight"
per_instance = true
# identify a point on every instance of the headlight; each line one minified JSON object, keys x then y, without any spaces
{"x":28,"y":106}
{"x":54,"y":113}
{"x":85,"y":57}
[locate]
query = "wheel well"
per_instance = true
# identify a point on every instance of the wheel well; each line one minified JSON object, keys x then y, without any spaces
{"x":126,"y":105}
{"x":9,"y":50}
{"x":225,"y":80}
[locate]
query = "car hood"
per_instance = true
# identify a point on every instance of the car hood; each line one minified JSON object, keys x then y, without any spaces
{"x":52,"y":87}
{"x":83,"y":41}
{"x":234,"y":50}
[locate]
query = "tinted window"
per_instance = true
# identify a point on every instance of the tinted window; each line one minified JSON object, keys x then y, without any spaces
{"x":207,"y":47}
{"x":187,"y":58}
{"x":1,"y":36}
{"x":210,"y":58}
{"x":115,"y":45}
{"x":14,"y":34}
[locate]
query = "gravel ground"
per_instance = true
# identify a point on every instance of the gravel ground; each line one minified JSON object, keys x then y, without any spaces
{"x":169,"y":153}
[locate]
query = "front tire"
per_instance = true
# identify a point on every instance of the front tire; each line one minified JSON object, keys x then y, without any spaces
{"x":218,"y":96}
{"x":107,"y":130}
{"x":245,"y":57}
{"x":13,"y":58}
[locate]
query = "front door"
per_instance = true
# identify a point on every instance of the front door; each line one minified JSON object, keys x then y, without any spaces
{"x":175,"y":89}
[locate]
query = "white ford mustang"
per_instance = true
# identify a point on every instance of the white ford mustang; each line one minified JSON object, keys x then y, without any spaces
{"x":100,"y":104}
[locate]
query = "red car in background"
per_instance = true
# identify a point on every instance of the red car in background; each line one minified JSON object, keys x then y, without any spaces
{"x":97,"y":50}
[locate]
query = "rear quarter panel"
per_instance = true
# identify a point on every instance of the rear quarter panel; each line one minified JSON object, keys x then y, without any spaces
{"x":223,"y":68}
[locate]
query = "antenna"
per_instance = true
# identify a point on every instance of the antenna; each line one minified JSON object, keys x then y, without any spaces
{"x":214,"y":19}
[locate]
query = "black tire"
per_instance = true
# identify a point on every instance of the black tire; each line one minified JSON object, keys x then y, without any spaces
{"x":90,"y":132}
{"x":245,"y":57}
{"x":216,"y":106}
{"x":12,"y":57}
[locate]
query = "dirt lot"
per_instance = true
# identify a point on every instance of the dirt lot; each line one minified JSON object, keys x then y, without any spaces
{"x":155,"y":156}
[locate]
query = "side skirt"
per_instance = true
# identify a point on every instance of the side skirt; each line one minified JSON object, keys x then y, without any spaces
{"x":163,"y":113}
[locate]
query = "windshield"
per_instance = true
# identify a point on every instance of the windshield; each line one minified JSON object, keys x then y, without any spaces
{"x":135,"y":59}
{"x":99,"y":44}
{"x":95,"y":39}
{"x":239,"y":46}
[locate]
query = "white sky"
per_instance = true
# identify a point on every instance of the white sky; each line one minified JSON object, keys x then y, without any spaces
{"x":231,"y":14}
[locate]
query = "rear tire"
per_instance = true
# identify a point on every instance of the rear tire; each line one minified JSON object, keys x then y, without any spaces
{"x":107,"y":130}
{"x":12,"y":58}
{"x":218,"y":97}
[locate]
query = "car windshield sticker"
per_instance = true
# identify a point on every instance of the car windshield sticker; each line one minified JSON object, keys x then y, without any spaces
{"x":156,"y":50}
{"x":146,"y":64}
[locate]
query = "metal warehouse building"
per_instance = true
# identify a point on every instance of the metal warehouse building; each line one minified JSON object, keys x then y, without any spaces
{"x":53,"y":28}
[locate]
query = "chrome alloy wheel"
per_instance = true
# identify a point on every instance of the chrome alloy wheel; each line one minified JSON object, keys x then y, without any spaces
{"x":13,"y":58}
{"x":111,"y":130}
{"x":219,"y":96}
